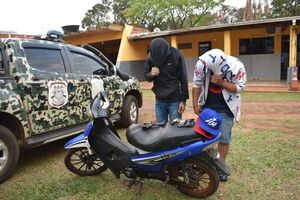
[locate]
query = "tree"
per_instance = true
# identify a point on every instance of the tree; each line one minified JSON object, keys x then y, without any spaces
{"x":229,"y":14}
{"x":109,"y":11}
{"x":146,"y":13}
{"x":119,"y":8}
{"x":285,"y":8}
{"x":97,"y":16}
{"x":170,"y":14}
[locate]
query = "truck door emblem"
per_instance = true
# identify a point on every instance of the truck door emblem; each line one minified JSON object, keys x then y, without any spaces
{"x":58,"y":93}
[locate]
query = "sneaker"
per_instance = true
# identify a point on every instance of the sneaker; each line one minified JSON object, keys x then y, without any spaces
{"x":223,"y":177}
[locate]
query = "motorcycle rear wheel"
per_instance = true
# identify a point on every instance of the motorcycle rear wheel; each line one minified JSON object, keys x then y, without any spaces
{"x":204,"y":180}
{"x":80,"y":162}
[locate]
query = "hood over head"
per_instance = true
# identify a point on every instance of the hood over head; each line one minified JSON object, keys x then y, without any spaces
{"x":214,"y":60}
{"x":159,"y":51}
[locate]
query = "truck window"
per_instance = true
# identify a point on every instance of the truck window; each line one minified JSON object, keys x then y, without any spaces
{"x":45,"y":59}
{"x":84,"y":64}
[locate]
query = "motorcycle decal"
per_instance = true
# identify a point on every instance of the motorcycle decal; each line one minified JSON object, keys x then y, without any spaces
{"x":152,"y":160}
{"x":58,"y":93}
{"x":211,"y":122}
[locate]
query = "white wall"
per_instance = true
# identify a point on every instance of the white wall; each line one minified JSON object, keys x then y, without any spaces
{"x":262,"y":66}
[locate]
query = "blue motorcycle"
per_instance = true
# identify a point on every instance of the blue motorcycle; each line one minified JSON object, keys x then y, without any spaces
{"x":177,"y":153}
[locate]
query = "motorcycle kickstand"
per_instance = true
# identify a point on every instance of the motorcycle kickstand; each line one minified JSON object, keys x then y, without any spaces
{"x":128,"y":183}
{"x":139,"y":188}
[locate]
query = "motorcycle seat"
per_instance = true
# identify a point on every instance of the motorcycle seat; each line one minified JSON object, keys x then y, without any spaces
{"x":160,"y":138}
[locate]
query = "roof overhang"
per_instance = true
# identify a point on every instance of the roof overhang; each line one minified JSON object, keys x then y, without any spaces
{"x":219,"y":27}
{"x":103,"y":29}
{"x":111,"y":32}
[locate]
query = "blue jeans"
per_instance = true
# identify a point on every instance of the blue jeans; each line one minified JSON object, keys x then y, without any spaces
{"x":166,"y":111}
{"x":226,"y":128}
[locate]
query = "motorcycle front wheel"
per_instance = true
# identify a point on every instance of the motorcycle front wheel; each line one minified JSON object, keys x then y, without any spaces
{"x":80,"y":162}
{"x":203,"y":179}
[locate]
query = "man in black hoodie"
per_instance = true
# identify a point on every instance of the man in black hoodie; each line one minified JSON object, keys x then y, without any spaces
{"x":165,"y":66}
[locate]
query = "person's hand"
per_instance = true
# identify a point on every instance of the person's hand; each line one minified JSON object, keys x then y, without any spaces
{"x":155,"y":71}
{"x":181,"y":108}
{"x":217,"y":79}
{"x":197,"y":110}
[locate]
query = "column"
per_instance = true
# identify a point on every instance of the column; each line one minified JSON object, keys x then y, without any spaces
{"x":227,"y":42}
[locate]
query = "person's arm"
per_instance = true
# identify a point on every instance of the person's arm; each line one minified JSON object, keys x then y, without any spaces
{"x":217,"y":79}
{"x":237,"y":87}
{"x":231,"y":87}
{"x":198,"y":81}
{"x":147,"y":70}
{"x":195,"y":94}
{"x":241,"y":79}
{"x":183,"y":79}
{"x":184,"y":86}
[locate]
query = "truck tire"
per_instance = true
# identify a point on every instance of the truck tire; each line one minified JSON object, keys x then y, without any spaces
{"x":9,"y":153}
{"x":130,"y":111}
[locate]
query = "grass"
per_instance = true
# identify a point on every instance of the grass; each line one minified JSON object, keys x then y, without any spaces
{"x":265,"y":164}
{"x":270,"y":96}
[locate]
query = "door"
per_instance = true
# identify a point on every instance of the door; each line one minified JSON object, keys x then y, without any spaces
{"x":285,"y":53}
{"x":47,"y":87}
{"x":204,"y":47}
{"x":93,"y":75}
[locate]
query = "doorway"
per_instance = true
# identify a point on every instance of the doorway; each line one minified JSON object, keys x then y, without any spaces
{"x":110,"y":49}
{"x":285,"y":53}
{"x":204,"y":47}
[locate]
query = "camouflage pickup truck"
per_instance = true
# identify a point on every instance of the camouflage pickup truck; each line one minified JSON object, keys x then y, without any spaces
{"x":45,"y":91}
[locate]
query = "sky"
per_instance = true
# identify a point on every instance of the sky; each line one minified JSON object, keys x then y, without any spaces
{"x":36,"y":17}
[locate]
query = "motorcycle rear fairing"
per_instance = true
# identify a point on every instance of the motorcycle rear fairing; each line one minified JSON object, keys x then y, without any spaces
{"x":80,"y":140}
{"x":216,"y":162}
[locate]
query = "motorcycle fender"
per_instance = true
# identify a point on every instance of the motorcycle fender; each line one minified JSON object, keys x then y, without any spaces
{"x":217,"y":163}
{"x":77,"y":142}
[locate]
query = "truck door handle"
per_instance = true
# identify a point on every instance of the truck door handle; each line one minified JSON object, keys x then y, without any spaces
{"x":33,"y":84}
{"x":81,"y":81}
{"x":35,"y":79}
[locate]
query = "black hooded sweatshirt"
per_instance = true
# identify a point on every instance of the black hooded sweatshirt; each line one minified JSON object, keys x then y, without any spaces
{"x":171,"y":85}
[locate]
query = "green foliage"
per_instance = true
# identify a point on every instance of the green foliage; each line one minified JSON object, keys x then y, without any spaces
{"x":97,"y":16}
{"x":270,"y":96}
{"x":147,"y":13}
{"x":109,"y":11}
{"x":171,"y":14}
{"x":285,"y":8}
{"x":174,"y":14}
{"x":118,"y":8}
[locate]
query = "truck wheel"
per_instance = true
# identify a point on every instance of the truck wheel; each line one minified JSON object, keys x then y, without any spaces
{"x":130,"y":111}
{"x":9,"y":153}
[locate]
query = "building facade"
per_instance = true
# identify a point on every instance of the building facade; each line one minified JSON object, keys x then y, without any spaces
{"x":268,"y":48}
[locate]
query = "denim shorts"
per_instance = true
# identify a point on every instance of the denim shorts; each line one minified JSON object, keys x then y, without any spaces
{"x":226,"y":128}
{"x":166,"y":111}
